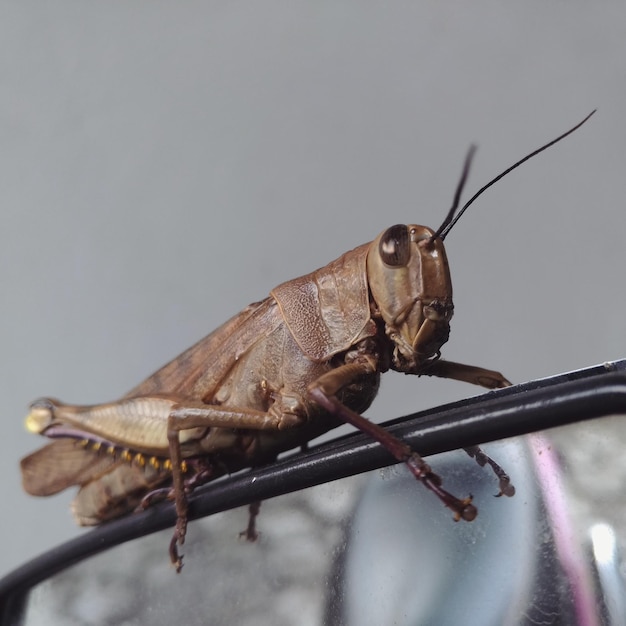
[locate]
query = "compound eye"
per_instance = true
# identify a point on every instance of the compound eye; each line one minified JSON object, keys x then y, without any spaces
{"x":394,"y":246}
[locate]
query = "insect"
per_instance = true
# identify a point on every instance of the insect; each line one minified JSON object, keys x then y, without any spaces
{"x":276,"y":375}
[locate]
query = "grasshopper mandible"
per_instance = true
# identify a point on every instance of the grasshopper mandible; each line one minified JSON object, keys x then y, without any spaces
{"x":273,"y":377}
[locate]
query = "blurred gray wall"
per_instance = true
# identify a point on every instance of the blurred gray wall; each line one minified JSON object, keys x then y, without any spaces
{"x":164,"y":164}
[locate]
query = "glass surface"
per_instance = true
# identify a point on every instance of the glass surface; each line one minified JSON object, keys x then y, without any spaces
{"x":379,"y":549}
{"x":225,"y":579}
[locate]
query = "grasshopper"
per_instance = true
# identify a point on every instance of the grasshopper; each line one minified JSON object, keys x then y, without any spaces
{"x":275,"y":376}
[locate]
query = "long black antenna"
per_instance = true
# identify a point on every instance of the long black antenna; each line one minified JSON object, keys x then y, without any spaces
{"x":451,"y":220}
{"x":457,"y":194}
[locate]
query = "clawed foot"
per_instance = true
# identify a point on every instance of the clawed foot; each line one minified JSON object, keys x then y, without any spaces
{"x":250,"y":533}
{"x":157,"y":495}
{"x":178,"y":539}
{"x":506,"y":488}
{"x":462,"y":509}
{"x":175,"y":558}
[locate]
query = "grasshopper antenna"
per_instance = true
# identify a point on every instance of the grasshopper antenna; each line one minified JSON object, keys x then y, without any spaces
{"x":457,"y":194}
{"x":451,"y":219}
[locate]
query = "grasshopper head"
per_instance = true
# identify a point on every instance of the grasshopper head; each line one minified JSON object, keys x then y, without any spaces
{"x":409,"y":278}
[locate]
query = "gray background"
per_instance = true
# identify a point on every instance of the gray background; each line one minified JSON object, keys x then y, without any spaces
{"x":164,"y":164}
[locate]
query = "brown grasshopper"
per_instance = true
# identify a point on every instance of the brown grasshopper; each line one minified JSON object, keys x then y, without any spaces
{"x":273,"y":377}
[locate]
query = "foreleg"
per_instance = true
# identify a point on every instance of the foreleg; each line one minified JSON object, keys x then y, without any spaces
{"x":485,"y":378}
{"x":323,"y":391}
